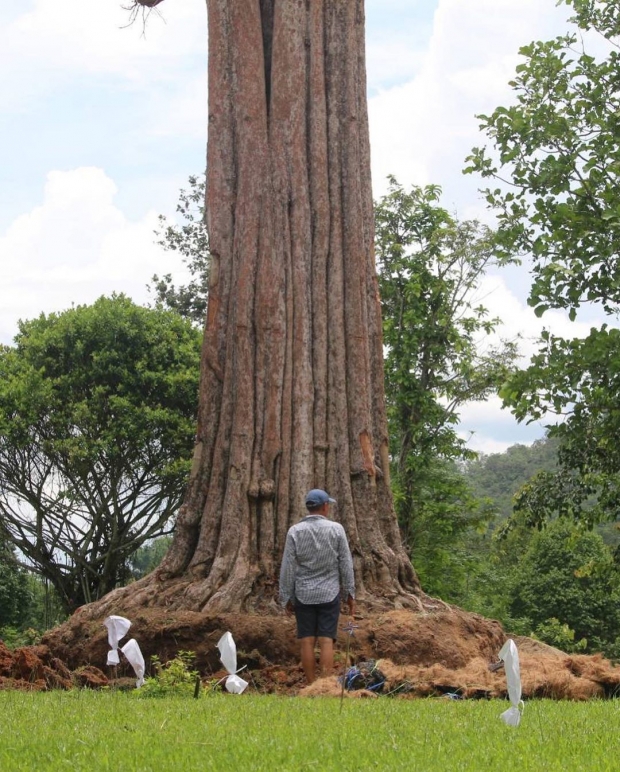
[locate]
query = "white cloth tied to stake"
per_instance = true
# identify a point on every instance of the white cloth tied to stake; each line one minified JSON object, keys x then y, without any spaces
{"x":134,"y":656}
{"x":228,"y":655}
{"x":510,"y":657}
{"x":117,"y":628}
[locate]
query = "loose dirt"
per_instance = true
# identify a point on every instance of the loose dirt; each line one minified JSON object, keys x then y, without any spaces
{"x":446,"y":651}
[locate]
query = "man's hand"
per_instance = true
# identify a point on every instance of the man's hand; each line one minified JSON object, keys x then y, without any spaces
{"x":351,"y":605}
{"x":289,"y":608}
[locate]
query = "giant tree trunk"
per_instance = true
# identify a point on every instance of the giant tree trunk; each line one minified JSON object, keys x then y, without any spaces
{"x":291,"y":395}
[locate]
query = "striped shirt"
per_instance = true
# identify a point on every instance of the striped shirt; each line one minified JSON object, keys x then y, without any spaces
{"x":317,"y":562}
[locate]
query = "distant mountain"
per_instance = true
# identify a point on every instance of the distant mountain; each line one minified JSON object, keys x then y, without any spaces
{"x":498,"y":476}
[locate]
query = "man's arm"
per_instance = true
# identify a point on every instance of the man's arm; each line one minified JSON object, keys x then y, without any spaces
{"x":287,"y":571}
{"x":345,"y":567}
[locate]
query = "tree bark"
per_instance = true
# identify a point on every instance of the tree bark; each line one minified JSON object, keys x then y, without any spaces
{"x":291,"y":394}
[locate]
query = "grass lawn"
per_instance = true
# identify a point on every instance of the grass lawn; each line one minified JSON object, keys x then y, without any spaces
{"x":93,"y":731}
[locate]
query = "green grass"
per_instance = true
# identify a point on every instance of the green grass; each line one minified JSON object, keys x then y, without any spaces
{"x":114,"y":731}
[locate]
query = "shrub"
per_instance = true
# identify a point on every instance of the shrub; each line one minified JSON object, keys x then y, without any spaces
{"x":175,"y":677}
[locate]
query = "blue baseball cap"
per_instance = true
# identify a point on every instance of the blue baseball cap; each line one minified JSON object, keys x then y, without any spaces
{"x":316,"y":498}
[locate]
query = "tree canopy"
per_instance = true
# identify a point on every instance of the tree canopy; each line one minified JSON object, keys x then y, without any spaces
{"x":97,"y":420}
{"x":559,"y":582}
{"x":569,"y":575}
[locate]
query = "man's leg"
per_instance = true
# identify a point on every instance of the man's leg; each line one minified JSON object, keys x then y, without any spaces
{"x":326,"y":659}
{"x":306,"y":616}
{"x":328,"y":614}
{"x":308,"y":661}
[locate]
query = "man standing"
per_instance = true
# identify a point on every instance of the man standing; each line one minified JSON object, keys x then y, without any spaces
{"x":316,"y":564}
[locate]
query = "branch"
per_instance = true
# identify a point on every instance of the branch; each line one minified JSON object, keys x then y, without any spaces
{"x":144,"y":7}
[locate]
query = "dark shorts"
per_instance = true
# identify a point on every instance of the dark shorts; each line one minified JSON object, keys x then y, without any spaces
{"x":318,"y":619}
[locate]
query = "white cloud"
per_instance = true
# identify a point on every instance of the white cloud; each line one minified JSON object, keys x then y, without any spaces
{"x":391,"y":60}
{"x":487,"y":445}
{"x":74,"y":247}
{"x":487,"y":428}
{"x":519,"y":319}
{"x":422,"y":131}
{"x":182,"y":113}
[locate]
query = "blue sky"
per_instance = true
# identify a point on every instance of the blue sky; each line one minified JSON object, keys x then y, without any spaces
{"x":100,"y":126}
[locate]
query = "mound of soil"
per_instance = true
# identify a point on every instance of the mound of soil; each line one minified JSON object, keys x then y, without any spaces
{"x":435,"y":652}
{"x":35,"y":668}
{"x":450,"y":637}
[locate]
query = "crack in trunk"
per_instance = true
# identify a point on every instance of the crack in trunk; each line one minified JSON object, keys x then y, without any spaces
{"x":266,"y":12}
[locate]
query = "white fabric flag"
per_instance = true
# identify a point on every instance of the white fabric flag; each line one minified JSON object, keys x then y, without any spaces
{"x":510,"y":657}
{"x":134,"y":656}
{"x":117,"y":629}
{"x":235,"y":685}
{"x":228,"y":655}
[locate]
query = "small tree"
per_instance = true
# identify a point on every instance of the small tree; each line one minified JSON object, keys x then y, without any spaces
{"x":430,"y":269}
{"x":97,"y":411}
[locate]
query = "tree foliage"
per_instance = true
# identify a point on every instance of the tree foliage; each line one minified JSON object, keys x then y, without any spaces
{"x":569,"y":575}
{"x":191,"y":241}
{"x":97,"y":416}
{"x":557,"y":149}
{"x":558,"y":581}
{"x":556,"y":156}
{"x":15,"y":594}
{"x":430,"y":268}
